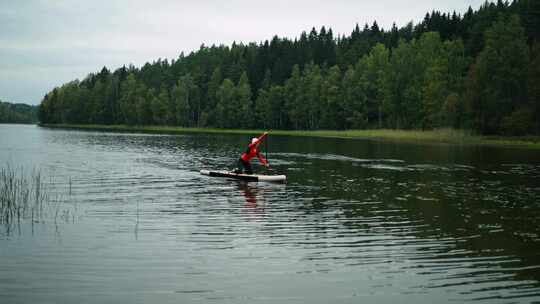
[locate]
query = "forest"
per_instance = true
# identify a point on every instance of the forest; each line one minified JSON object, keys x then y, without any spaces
{"x":18,"y":113}
{"x":478,"y":71}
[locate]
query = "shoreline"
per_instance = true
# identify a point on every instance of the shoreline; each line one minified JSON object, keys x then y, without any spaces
{"x":439,"y":136}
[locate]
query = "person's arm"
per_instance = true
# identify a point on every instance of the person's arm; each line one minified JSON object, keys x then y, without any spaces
{"x":262,"y":136}
{"x":262,"y":159}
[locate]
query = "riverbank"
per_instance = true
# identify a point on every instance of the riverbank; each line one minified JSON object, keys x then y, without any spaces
{"x":450,"y":136}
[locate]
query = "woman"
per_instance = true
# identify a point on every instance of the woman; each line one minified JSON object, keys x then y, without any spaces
{"x":253,"y":150}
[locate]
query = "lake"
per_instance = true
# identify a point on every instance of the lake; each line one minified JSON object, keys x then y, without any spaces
{"x":358,"y":221}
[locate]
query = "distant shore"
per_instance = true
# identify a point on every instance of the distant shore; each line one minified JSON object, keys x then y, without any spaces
{"x":450,"y":136}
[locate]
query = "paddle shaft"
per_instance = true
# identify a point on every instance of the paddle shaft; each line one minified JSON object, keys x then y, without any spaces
{"x":266,"y":148}
{"x":266,"y":151}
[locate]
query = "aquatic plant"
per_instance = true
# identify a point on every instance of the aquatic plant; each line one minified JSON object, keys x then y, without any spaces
{"x":25,"y":196}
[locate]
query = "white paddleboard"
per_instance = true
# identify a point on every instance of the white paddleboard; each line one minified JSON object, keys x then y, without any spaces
{"x":246,"y":177}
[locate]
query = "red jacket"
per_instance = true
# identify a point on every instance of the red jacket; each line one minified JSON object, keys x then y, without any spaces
{"x":252,"y":151}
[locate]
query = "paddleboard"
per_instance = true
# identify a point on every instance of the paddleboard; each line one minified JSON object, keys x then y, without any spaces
{"x":246,"y":177}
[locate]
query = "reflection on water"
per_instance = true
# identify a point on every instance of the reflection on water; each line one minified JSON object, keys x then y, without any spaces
{"x":357,"y":221}
{"x":255,"y":202}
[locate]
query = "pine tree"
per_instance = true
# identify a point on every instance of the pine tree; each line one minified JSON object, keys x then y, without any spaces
{"x":373,"y":69}
{"x":159,"y":107}
{"x":226,"y":111}
{"x":499,"y":75}
{"x":533,"y":81}
{"x":354,"y":98}
{"x":128,"y":100}
{"x":332,"y":116}
{"x":182,"y":96}
{"x":244,"y":105}
{"x":309,"y":97}
{"x":292,"y":98}
{"x":143,"y":96}
{"x":213,"y":85}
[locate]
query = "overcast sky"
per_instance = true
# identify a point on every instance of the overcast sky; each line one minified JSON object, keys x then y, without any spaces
{"x":45,"y":43}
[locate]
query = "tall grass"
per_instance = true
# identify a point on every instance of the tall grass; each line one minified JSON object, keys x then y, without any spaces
{"x":437,"y":135}
{"x":22,"y":196}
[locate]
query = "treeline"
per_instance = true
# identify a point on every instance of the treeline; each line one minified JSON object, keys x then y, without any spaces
{"x":18,"y":113}
{"x":479,"y":71}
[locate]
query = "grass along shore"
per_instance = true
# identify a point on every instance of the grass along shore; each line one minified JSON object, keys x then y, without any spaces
{"x":451,"y":136}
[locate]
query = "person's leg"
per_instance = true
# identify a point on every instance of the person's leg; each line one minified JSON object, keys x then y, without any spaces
{"x":247,"y":167}
{"x":240,"y":167}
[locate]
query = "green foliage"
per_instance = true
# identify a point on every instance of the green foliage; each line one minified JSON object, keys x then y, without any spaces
{"x":414,"y":77}
{"x":331,"y":103}
{"x":499,"y":76}
{"x":533,"y":87}
{"x":519,"y":122}
{"x":128,"y":100}
{"x":142,"y":104}
{"x":242,"y":98}
{"x":373,"y":70}
{"x":353,"y":99}
{"x":293,"y":103}
{"x":402,"y":91}
{"x":160,"y":104}
{"x":181,"y":94}
{"x":227,"y":112}
{"x":17,"y":113}
{"x":309,"y":97}
{"x":213,"y":85}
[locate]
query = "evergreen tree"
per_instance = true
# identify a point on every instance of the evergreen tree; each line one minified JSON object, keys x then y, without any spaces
{"x":277,"y":116}
{"x":499,"y":75}
{"x":372,"y":70}
{"x":143,"y":97}
{"x":434,"y":83}
{"x":293,"y":102}
{"x":309,"y":98}
{"x":263,"y":110}
{"x":181,"y":98}
{"x":128,"y":100}
{"x":242,"y":98}
{"x":18,"y":113}
{"x":97,"y":111}
{"x":401,"y":87}
{"x":409,"y":77}
{"x":226,"y":109}
{"x":533,"y":87}
{"x":160,"y":106}
{"x":213,"y":85}
{"x":354,"y":98}
{"x":332,"y":116}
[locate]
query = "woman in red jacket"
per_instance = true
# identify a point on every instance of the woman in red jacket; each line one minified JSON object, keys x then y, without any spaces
{"x":252,"y":151}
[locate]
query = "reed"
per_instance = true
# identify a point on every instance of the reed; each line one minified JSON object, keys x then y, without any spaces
{"x":22,"y":195}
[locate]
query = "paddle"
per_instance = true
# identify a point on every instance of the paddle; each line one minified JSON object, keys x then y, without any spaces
{"x":266,"y":148}
{"x":266,"y":151}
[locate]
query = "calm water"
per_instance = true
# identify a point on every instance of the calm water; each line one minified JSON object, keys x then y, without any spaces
{"x":357,"y":222}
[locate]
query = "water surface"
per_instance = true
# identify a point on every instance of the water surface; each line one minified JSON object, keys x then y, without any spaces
{"x":357,"y":221}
